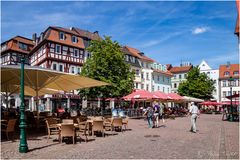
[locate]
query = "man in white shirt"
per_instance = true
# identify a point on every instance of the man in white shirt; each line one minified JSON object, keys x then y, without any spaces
{"x":194,"y":112}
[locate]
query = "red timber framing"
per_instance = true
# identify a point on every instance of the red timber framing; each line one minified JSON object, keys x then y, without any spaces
{"x":46,"y":54}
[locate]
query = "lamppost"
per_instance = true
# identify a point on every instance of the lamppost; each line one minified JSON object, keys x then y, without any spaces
{"x":23,"y":147}
{"x":231,"y":106}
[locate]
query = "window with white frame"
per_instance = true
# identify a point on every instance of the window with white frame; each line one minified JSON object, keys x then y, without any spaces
{"x":137,"y":72}
{"x":147,"y":76}
{"x":224,"y":84}
{"x":54,"y":66}
{"x":142,"y":86}
{"x":147,"y":87}
{"x":60,"y":67}
{"x":79,"y":70}
{"x":127,"y":58}
{"x":74,"y":39}
{"x":76,"y":53}
{"x":58,"y":48}
{"x":73,"y":70}
{"x":163,"y":90}
{"x":61,"y":36}
{"x":235,"y":73}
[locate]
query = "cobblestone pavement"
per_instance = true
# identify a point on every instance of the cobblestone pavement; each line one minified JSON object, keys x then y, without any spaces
{"x":215,"y":139}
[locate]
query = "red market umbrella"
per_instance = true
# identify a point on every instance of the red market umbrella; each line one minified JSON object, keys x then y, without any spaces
{"x":175,"y":96}
{"x":141,"y":94}
{"x":162,"y":95}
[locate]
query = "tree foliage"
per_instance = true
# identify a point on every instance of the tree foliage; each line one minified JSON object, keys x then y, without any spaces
{"x":197,"y":85}
{"x":107,"y":63}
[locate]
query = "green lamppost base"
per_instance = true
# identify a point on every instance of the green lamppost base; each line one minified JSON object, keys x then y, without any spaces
{"x":23,"y":149}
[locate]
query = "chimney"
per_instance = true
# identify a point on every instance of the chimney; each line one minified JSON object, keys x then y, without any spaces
{"x":96,"y":32}
{"x":34,"y":37}
{"x":228,"y":64}
{"x":71,"y":28}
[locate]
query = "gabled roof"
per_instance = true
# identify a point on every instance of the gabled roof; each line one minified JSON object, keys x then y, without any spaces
{"x":168,"y":73}
{"x":52,"y":34}
{"x":13,"y":45}
{"x":231,"y":69}
{"x":137,"y":53}
{"x":181,"y":69}
{"x":87,"y":34}
{"x":203,"y":66}
{"x":66,"y":30}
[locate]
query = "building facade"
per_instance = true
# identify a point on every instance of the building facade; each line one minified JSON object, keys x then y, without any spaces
{"x":150,"y":75}
{"x":179,"y":75}
{"x":161,"y":78}
{"x":135,"y":63}
{"x":226,"y":72}
{"x":14,"y":49}
{"x":63,"y":50}
{"x":212,"y":74}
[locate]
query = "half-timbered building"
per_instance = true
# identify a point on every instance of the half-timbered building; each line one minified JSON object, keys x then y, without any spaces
{"x":14,"y":49}
{"x":63,"y":50}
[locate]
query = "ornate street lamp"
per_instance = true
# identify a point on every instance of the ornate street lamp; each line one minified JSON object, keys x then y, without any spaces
{"x":231,"y":106}
{"x":23,"y":147}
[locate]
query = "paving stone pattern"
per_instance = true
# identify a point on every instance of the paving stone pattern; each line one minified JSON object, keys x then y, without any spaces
{"x":215,"y":139}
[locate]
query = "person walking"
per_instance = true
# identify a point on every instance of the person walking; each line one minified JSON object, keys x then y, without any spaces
{"x":162,"y":112}
{"x":194,"y":112}
{"x":156,"y":114}
{"x":149,"y":114}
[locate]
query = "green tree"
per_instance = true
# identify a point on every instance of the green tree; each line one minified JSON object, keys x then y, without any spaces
{"x":197,"y":85}
{"x":107,"y":63}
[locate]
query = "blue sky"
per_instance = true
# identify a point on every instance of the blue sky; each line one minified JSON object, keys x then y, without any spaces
{"x":169,"y":32}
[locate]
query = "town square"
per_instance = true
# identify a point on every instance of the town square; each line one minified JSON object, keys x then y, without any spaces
{"x":120,"y":80}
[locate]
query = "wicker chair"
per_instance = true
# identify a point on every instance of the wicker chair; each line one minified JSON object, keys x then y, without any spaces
{"x":117,"y":123}
{"x":67,"y":121}
{"x":125,"y":123}
{"x":67,"y":130}
{"x":98,"y":126}
{"x":52,"y":127}
{"x":83,"y":130}
{"x":10,"y":127}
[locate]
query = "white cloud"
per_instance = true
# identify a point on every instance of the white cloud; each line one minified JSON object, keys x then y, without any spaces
{"x":200,"y":30}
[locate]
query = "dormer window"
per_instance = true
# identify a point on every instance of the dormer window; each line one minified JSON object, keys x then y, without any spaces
{"x":235,"y":73}
{"x":226,"y":73}
{"x":61,"y":36}
{"x":22,"y":46}
{"x":74,"y":39}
